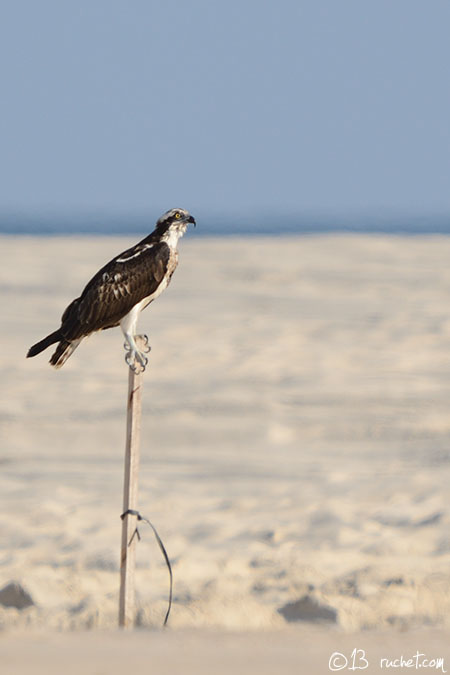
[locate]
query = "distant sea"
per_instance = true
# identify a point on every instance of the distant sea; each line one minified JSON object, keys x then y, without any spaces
{"x":213,"y":225}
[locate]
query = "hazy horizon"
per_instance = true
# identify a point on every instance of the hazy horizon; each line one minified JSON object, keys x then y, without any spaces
{"x":222,"y":224}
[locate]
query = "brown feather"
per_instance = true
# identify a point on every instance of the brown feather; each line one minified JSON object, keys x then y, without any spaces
{"x":115,"y":289}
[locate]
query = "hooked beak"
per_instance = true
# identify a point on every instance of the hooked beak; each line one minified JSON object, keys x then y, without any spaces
{"x":191,"y":219}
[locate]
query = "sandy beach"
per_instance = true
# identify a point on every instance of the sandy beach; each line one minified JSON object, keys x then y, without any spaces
{"x":295,"y":448}
{"x":289,"y":651}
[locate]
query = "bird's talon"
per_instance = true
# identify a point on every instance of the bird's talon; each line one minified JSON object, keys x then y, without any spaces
{"x":136,"y":361}
{"x":146,"y":347}
{"x":143,"y":360}
{"x":137,"y":367}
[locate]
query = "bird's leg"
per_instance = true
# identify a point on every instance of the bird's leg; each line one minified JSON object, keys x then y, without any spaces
{"x":135,"y":358}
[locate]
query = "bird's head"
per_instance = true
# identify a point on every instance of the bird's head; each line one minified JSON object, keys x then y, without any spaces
{"x":174,"y":222}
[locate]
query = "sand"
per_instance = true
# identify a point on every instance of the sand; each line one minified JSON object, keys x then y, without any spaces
{"x":311,"y":650}
{"x":295,"y":453}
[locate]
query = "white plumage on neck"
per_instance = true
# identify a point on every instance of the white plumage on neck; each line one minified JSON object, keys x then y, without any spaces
{"x":174,"y":232}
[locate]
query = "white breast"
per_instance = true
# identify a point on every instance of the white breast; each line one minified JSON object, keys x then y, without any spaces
{"x":129,"y":321}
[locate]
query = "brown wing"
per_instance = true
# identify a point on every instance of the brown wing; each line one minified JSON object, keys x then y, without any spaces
{"x":115,"y":289}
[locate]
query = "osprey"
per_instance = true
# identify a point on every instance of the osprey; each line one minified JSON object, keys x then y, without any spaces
{"x":120,"y":291}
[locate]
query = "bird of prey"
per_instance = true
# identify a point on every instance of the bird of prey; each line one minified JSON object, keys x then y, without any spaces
{"x":120,"y":291}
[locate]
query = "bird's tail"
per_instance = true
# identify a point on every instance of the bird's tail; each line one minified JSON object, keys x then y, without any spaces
{"x":43,"y":344}
{"x":63,"y":351}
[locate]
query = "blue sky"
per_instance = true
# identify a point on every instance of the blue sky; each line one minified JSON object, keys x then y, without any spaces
{"x":244,"y":107}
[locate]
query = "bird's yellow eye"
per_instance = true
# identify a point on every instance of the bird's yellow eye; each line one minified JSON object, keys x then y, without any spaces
{"x":178,"y":215}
